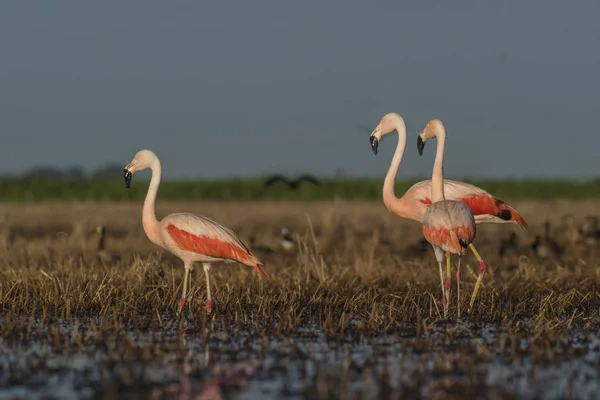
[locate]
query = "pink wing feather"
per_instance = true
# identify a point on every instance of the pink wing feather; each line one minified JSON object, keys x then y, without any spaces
{"x":202,"y":235}
{"x":447,"y":224}
{"x":479,"y":201}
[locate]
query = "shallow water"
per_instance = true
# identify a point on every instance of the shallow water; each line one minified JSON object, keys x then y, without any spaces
{"x":453,"y":361}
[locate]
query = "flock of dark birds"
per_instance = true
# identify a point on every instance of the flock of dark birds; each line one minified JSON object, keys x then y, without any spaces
{"x":548,"y":243}
{"x":554,"y":244}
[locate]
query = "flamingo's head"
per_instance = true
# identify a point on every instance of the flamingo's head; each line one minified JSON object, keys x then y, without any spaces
{"x":388,"y":123}
{"x":431,"y":130}
{"x":143,"y":159}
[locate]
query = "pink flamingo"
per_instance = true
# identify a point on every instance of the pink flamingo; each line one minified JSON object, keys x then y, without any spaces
{"x":448,"y":225}
{"x":415,"y":202}
{"x":189,"y":237}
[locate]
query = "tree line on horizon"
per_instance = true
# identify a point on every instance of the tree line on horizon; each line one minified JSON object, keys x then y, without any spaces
{"x":107,"y":171}
{"x":111,"y":170}
{"x":47,"y":172}
{"x":74,"y":183}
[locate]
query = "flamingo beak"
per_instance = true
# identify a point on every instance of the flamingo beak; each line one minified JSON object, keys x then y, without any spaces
{"x":374,"y":143}
{"x":420,"y":145}
{"x":127,"y":175}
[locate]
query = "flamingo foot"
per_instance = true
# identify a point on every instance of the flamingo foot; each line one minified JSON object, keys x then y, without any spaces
{"x":208,"y":306}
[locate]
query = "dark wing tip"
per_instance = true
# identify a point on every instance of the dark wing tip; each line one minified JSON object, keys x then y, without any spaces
{"x":505,"y":215}
{"x":275,"y":178}
{"x":309,"y":178}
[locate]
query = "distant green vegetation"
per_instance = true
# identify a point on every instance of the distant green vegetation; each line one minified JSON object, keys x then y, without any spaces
{"x":38,"y":189}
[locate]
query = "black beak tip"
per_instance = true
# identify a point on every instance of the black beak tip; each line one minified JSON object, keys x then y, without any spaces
{"x":127,"y":175}
{"x":374,"y":144}
{"x":420,"y":145}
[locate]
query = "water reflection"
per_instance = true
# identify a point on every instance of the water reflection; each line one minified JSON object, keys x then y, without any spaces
{"x":482,"y":362}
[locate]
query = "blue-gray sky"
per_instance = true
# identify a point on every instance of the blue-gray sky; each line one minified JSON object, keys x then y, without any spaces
{"x":223,"y":88}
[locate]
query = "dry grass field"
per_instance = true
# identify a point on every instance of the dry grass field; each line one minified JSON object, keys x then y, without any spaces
{"x":353,"y":312}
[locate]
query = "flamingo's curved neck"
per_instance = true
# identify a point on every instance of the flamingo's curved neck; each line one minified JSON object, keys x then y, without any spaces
{"x":393,"y":203}
{"x":149,"y":221}
{"x":437,"y":177}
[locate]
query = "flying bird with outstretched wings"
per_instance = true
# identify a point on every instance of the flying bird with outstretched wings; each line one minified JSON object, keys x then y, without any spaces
{"x":293,"y":184}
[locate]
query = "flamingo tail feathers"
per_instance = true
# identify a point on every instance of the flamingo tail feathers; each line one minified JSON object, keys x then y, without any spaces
{"x":508,"y":213}
{"x":261,"y":271}
{"x":486,"y":204}
{"x":216,"y":247}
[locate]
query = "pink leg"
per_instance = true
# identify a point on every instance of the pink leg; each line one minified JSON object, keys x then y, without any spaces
{"x":444,"y":298}
{"x":209,"y":297}
{"x":442,"y":284}
{"x":448,"y":284}
{"x":184,"y":291}
{"x":439,"y":255}
{"x":458,"y":284}
{"x":447,"y":289}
